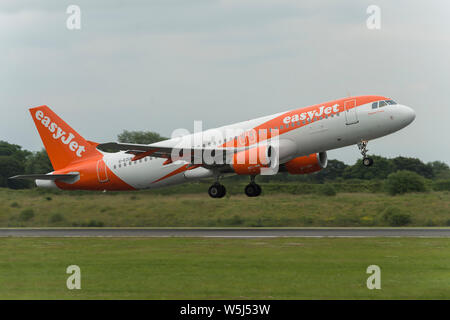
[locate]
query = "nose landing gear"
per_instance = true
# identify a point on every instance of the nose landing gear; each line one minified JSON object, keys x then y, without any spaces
{"x":362,"y":146}
{"x":367,"y":162}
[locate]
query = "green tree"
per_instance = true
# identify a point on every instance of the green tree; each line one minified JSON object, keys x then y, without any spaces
{"x":10,"y":166}
{"x":13,"y":150}
{"x":334,"y":170}
{"x":405,"y":181}
{"x":414,"y":165}
{"x":440,"y":169}
{"x":141,"y":137}
{"x":12,"y":162}
{"x":38,"y":162}
{"x":380,"y":169}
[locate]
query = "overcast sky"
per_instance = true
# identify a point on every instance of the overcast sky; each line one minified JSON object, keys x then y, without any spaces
{"x":160,"y":65}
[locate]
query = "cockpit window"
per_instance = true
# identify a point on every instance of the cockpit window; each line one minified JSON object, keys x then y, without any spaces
{"x":380,"y":104}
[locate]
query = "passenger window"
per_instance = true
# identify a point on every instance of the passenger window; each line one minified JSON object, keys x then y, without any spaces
{"x":114,"y":166}
{"x":375,"y":105}
{"x":281,"y":127}
{"x":382,"y":104}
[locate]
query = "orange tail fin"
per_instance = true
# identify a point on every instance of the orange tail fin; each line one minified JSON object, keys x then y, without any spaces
{"x":63,"y":144}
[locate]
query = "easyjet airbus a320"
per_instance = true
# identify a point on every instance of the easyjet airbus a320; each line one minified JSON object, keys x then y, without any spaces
{"x":295,"y":141}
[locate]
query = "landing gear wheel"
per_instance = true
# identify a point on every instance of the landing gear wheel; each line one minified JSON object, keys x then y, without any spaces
{"x":362,"y":146}
{"x":367,"y":162}
{"x":217,"y":191}
{"x":252,"y":190}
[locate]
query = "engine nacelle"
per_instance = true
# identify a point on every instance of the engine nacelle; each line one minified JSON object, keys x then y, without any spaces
{"x":307,"y":164}
{"x":251,"y":161}
{"x":269,"y":156}
{"x":198,"y":173}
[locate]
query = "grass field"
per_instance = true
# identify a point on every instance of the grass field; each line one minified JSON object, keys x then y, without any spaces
{"x":34,"y":208}
{"x":194,"y":268}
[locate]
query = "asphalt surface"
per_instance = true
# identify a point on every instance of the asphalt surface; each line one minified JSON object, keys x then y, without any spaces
{"x":226,"y":232}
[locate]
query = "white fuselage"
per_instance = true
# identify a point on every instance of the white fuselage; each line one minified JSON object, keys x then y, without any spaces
{"x":338,"y":130}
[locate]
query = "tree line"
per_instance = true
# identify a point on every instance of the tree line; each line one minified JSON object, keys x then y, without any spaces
{"x":14,"y":160}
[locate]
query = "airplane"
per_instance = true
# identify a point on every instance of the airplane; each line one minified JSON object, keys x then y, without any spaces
{"x":294,"y":141}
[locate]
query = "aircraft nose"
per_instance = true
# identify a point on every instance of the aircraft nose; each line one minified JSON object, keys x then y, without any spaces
{"x":410,"y":114}
{"x":407,"y":114}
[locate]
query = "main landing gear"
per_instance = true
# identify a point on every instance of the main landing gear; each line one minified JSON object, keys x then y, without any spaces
{"x":252,"y":189}
{"x":217,"y":190}
{"x":362,"y":146}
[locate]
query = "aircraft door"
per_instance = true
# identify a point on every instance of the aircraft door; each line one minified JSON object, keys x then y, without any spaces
{"x":102,"y":174}
{"x":351,"y":116}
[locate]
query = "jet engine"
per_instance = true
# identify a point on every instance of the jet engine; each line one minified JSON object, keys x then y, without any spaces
{"x":307,"y":164}
{"x":268,"y":156}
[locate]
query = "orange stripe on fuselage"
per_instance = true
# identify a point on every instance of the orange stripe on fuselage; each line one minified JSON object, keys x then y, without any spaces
{"x":89,"y":177}
{"x":177,"y":171}
{"x":277,"y":122}
{"x":143,"y":155}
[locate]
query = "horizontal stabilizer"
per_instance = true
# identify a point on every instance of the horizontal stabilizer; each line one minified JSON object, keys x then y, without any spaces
{"x":53,"y":177}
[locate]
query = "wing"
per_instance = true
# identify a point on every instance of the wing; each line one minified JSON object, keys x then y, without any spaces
{"x":139,"y":150}
{"x":194,"y":155}
{"x":61,"y":177}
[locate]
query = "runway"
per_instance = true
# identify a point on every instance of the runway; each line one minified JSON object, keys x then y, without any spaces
{"x":226,"y":232}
